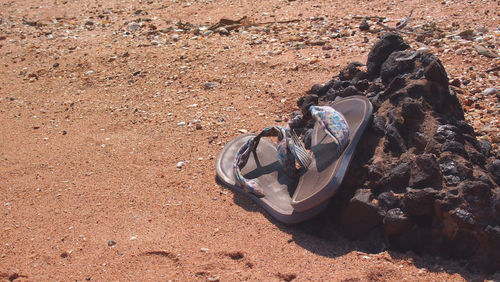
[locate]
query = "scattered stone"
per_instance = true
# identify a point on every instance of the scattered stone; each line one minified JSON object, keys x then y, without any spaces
{"x":485,"y":52}
{"x":211,"y":85}
{"x":180,"y":165}
{"x":133,"y":26}
{"x":111,"y":243}
{"x":364,"y":26}
{"x":490,"y":91}
{"x":222,"y":31}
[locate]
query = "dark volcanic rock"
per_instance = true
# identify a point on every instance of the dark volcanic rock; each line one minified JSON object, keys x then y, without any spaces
{"x":306,"y":138}
{"x":453,"y":172}
{"x":378,"y":124}
{"x":316,"y":89}
{"x":412,"y":110}
{"x":361,"y":215}
{"x":387,"y":200}
{"x":364,"y":26}
{"x":454,"y":147}
{"x":419,"y":202}
{"x":465,"y":127}
{"x":494,"y":170}
{"x":390,"y":42}
{"x":400,"y":176}
{"x":375,"y":175}
{"x":349,"y":91}
{"x":362,"y":84}
{"x":446,"y":132}
{"x":420,"y":180}
{"x":351,"y":71}
{"x":492,"y":245}
{"x":476,"y":192}
{"x":396,"y":222}
{"x":435,"y":71}
{"x":425,"y":172}
{"x":394,"y":142}
{"x":484,"y":147}
{"x":398,"y":63}
{"x":305,"y":102}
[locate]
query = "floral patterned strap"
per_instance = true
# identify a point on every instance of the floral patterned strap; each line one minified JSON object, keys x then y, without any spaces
{"x":290,"y":148}
{"x":288,"y":151}
{"x":333,"y":123}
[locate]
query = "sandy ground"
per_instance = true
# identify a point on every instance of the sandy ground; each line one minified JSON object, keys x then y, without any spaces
{"x":100,"y":100}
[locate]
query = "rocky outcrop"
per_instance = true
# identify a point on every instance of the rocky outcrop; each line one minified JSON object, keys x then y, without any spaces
{"x":419,"y":174}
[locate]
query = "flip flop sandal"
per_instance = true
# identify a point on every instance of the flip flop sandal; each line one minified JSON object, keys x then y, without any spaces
{"x":266,"y":172}
{"x":333,"y":149}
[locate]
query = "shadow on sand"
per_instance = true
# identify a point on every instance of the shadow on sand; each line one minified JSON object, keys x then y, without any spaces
{"x":319,"y":235}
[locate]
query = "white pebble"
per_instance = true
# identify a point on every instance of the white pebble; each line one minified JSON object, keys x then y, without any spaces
{"x":490,"y":91}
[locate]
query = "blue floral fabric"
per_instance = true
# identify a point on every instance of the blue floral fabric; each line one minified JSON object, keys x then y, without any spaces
{"x":333,"y":123}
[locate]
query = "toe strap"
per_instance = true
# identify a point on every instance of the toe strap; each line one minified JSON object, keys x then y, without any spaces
{"x":333,"y":123}
{"x":288,"y":150}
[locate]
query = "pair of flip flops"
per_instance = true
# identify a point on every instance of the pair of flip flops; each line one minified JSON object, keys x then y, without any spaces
{"x":268,"y":173}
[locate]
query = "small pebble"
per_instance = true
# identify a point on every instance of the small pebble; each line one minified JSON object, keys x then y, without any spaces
{"x":111,"y":243}
{"x":180,"y":165}
{"x":490,"y":91}
{"x":182,"y":123}
{"x":364,"y":26}
{"x":211,"y":85}
{"x":133,"y":26}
